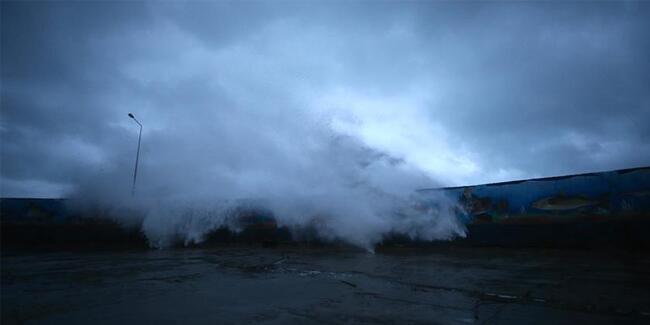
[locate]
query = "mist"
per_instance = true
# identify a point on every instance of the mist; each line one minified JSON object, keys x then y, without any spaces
{"x":282,"y":160}
{"x":330,"y":113}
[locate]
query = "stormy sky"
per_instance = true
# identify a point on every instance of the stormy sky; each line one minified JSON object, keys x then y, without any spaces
{"x":250,"y":94}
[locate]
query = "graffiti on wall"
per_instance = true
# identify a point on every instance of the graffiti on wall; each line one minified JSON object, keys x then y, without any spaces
{"x":595,"y":196}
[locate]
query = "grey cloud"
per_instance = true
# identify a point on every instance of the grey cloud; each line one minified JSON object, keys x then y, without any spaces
{"x":512,"y":82}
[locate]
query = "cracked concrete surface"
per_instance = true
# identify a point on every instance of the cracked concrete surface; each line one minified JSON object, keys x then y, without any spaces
{"x":326,"y":285}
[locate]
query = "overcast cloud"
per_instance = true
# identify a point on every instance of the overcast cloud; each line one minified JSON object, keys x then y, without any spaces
{"x":242,"y":94}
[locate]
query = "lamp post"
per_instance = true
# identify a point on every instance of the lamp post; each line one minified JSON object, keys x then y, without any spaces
{"x":137,"y":155}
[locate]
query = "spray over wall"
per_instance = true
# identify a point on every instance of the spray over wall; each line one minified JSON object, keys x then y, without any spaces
{"x":194,"y":174}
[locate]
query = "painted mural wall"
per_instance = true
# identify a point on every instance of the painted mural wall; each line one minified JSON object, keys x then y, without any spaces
{"x":620,"y":194}
{"x":599,"y":209}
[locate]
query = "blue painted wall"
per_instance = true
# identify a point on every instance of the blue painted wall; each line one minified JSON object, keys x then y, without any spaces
{"x":595,"y":196}
{"x":605,"y":209}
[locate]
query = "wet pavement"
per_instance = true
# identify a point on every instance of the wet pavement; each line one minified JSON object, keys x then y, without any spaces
{"x":326,"y":285}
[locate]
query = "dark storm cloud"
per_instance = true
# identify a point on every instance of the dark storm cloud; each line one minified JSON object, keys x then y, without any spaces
{"x":556,"y":88}
{"x":468,"y":92}
{"x":53,"y":120}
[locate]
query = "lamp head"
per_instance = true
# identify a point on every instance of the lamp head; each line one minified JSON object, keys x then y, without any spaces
{"x":131,"y":115}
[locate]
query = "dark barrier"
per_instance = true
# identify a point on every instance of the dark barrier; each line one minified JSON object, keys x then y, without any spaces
{"x":595,"y":209}
{"x":608,"y":209}
{"x":27,"y":222}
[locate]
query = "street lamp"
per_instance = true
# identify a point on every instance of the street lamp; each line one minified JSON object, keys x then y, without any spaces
{"x":137,"y":155}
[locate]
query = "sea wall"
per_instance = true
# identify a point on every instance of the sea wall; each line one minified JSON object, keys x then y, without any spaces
{"x":587,"y":210}
{"x":612,"y":195}
{"x":595,"y":209}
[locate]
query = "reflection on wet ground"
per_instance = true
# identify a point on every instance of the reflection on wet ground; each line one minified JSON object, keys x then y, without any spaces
{"x":325,"y":285}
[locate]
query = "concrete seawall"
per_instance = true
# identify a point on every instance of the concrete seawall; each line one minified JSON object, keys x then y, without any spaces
{"x":607,"y":209}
